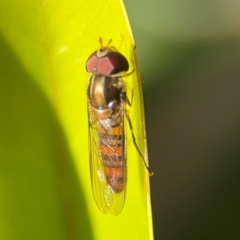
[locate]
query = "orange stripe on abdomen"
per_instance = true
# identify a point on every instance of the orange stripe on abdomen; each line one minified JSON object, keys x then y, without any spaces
{"x":112,"y":152}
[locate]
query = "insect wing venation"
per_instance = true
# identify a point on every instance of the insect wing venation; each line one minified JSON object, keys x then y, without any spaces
{"x":104,"y":141}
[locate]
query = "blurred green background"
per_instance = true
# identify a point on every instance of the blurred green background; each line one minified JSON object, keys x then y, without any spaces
{"x":189,"y":56}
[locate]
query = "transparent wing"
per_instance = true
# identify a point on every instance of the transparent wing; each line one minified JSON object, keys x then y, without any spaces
{"x":105,"y":197}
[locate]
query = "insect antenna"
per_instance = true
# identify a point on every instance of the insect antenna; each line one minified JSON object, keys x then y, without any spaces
{"x":101,"y":43}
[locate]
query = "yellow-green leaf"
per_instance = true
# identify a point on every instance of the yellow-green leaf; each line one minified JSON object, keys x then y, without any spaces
{"x":44,"y":162}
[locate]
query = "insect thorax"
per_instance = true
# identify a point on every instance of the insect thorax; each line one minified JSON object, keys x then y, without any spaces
{"x":106,"y":95}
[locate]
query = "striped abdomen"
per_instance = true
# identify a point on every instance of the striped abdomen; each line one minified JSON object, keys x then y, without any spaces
{"x":113,"y":156}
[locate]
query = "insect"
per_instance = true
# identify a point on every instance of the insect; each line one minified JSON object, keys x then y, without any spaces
{"x":107,"y":101}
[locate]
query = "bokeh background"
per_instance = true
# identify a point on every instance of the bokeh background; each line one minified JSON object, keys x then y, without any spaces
{"x":189,"y":56}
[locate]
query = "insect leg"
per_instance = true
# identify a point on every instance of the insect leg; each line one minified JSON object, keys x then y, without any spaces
{"x":136,"y":146}
{"x":128,"y":101}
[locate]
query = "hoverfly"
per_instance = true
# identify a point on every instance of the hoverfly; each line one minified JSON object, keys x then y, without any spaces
{"x":107,"y":101}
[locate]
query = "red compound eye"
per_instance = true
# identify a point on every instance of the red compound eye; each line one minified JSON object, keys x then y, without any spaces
{"x":109,"y":64}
